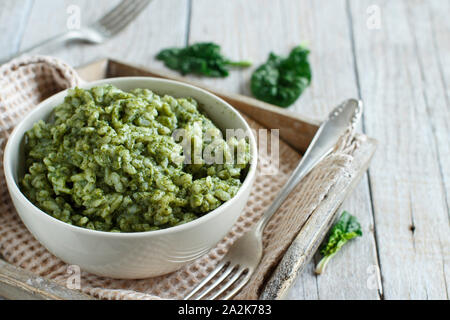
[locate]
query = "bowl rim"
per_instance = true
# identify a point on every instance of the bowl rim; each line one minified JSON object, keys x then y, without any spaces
{"x":13,"y":186}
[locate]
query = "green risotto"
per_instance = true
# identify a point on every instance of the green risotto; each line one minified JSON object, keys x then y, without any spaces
{"x":134,"y":161}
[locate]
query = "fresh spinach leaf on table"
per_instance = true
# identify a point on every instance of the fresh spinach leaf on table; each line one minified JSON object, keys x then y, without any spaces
{"x":201,"y":58}
{"x":344,"y":230}
{"x":281,"y":81}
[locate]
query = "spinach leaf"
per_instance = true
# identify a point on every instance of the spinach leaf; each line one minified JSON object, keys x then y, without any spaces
{"x":281,"y":81}
{"x":344,"y":230}
{"x":201,"y":58}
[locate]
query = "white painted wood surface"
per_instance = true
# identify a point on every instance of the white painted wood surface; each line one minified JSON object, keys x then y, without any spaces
{"x":403,"y":84}
{"x":401,"y":71}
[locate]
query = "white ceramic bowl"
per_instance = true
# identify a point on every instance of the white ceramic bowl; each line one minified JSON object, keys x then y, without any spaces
{"x":130,"y":255}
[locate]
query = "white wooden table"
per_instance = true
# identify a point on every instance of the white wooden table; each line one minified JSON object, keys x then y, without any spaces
{"x":394,"y":55}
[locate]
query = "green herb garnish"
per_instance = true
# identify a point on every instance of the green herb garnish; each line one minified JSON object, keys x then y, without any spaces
{"x":200,"y":58}
{"x":344,"y":230}
{"x":281,"y":81}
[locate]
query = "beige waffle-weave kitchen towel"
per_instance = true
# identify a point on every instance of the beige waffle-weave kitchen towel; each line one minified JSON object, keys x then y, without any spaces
{"x":26,"y":81}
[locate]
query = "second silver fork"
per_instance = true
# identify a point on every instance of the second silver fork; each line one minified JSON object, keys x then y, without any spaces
{"x":98,"y":32}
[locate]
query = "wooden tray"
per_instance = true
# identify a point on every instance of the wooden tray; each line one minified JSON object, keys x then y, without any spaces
{"x":296,"y":131}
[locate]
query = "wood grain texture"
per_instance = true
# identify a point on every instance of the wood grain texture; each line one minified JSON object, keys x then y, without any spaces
{"x":400,"y":83}
{"x":432,"y":41}
{"x":16,"y":283}
{"x":14,"y":16}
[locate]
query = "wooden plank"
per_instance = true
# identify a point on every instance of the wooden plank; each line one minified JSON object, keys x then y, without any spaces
{"x":16,"y":283}
{"x":432,"y":38}
{"x":278,"y":26}
{"x":402,"y":87}
{"x":161,"y":24}
{"x":432,"y":42}
{"x":14,"y":17}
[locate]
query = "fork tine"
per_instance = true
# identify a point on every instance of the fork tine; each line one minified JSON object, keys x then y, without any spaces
{"x":134,"y":6}
{"x":213,"y":285}
{"x":115,"y":11}
{"x":239,"y":286}
{"x":204,"y":281}
{"x":229,"y":283}
{"x":122,"y":20}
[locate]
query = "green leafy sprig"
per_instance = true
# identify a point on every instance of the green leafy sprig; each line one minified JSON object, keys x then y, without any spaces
{"x":344,"y":230}
{"x":201,"y":58}
{"x":281,"y":81}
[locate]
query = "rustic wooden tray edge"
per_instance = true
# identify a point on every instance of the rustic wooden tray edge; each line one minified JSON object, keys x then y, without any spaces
{"x":316,"y":227}
{"x":295,"y":130}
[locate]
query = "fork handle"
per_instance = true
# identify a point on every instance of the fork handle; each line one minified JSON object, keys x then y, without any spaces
{"x":326,"y":137}
{"x":48,"y":44}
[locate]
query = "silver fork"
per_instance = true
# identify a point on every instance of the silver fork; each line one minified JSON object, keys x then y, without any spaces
{"x":98,"y":32}
{"x":244,"y":256}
